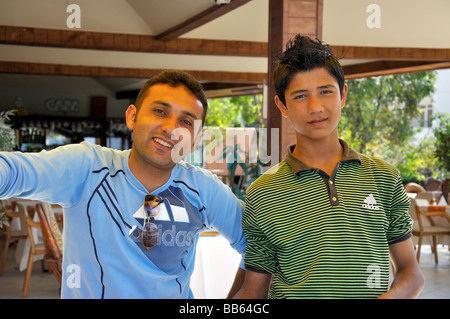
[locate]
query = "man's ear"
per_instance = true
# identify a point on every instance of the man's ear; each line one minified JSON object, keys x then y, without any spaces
{"x":130,"y":116}
{"x":281,"y":106}
{"x":344,"y":95}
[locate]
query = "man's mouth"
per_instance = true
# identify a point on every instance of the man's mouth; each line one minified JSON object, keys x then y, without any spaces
{"x":317,"y":121}
{"x":163,"y":143}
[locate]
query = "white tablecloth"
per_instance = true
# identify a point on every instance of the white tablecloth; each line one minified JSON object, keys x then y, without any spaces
{"x":216,"y":264}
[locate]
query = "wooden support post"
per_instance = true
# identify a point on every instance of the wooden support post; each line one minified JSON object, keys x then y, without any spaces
{"x":286,"y":19}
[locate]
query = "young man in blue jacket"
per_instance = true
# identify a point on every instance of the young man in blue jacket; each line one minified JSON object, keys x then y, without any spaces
{"x":132,"y":218}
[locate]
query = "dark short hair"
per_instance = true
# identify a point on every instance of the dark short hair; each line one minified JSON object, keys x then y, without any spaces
{"x":304,"y":54}
{"x":175,"y":78}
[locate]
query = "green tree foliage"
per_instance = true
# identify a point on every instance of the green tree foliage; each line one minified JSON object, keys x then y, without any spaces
{"x":377,"y":120}
{"x":236,"y":111}
{"x":442,"y":143}
{"x":414,"y":159}
{"x":380,"y":110}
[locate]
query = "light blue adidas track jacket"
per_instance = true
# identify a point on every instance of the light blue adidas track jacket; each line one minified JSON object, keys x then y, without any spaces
{"x":103,"y":217}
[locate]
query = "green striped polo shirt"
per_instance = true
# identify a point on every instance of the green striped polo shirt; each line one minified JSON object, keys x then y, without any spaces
{"x":326,"y":236}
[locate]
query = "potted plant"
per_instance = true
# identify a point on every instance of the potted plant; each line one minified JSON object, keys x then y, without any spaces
{"x":7,"y":135}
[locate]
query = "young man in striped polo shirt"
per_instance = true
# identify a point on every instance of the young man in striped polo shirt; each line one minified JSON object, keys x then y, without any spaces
{"x":324,"y":221}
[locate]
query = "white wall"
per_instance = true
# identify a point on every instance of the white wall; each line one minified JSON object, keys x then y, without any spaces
{"x":442,"y":94}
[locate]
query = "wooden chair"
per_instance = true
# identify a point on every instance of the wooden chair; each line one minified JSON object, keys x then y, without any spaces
{"x":428,"y":196}
{"x":414,"y":188}
{"x":53,"y":254}
{"x":35,"y":249}
{"x":432,"y":184}
{"x":9,"y":236}
{"x":421,"y":230}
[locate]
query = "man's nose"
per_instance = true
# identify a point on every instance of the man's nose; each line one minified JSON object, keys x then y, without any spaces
{"x":314,"y":105}
{"x":173,"y":129}
{"x":170,"y":124}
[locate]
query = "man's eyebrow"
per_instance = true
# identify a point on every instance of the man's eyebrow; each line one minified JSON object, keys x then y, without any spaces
{"x":163,"y":103}
{"x":190,"y":115}
{"x":298,"y":91}
{"x":326,"y":86}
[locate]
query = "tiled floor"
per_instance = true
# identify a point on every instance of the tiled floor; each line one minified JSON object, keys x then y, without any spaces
{"x":437,"y":277}
{"x":44,"y":286}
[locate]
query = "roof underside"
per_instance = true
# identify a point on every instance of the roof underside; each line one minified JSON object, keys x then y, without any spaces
{"x":123,"y":42}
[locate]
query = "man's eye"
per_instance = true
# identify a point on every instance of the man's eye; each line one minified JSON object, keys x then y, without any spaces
{"x":186,"y":122}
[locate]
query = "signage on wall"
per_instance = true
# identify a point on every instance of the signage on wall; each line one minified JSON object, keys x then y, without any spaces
{"x":62,"y":105}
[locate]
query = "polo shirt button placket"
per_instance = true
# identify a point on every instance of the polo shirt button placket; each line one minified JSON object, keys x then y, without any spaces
{"x":333,"y":193}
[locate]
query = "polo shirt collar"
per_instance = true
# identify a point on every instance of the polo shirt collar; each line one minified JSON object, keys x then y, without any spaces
{"x":296,"y":165}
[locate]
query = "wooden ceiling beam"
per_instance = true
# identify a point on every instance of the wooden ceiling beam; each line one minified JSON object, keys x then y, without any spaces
{"x":143,"y":43}
{"x":200,"y":19}
{"x":379,"y":68}
{"x":127,"y":42}
{"x":388,"y":53}
{"x":81,"y":70}
{"x":376,"y":68}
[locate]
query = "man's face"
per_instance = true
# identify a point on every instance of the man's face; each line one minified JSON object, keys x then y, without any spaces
{"x":313,"y":104}
{"x":165,"y":118}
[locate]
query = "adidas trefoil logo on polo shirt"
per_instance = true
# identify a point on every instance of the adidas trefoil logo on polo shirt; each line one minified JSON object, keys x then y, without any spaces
{"x":371,"y":203}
